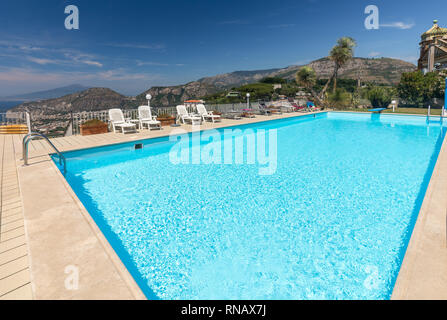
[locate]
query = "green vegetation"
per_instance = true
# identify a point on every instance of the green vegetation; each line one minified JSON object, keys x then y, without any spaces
{"x":423,"y":111}
{"x":341,"y":53}
{"x":339,"y":99}
{"x":258,"y":91}
{"x":380,"y":97}
{"x":350,"y":85}
{"x":417,"y":89}
{"x":307,"y":78}
{"x":274,"y":80}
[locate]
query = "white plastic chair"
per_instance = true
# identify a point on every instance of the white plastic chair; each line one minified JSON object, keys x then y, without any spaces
{"x":146,"y":118}
{"x":117,"y":120}
{"x":207,"y":115}
{"x":184,"y":116}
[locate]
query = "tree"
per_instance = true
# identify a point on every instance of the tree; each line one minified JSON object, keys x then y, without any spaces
{"x":274,"y":80}
{"x":418,"y":89}
{"x":307,"y":78}
{"x":341,"y":53}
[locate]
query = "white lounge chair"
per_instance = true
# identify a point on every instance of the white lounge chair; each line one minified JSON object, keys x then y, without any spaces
{"x":184,"y":116}
{"x":207,"y":115}
{"x":146,"y":118}
{"x":117,"y":120}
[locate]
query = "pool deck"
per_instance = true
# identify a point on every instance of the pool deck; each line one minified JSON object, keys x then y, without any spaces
{"x":48,"y":240}
{"x":47,"y":237}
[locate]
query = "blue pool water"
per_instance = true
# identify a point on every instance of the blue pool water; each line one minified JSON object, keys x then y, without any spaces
{"x":332,"y":222}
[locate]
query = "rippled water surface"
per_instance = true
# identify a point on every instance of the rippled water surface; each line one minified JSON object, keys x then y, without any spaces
{"x":333,"y":222}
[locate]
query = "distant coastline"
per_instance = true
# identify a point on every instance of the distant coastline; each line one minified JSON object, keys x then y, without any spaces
{"x":6,"y":105}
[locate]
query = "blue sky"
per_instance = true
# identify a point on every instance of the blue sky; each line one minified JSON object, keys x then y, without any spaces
{"x":132,"y":45}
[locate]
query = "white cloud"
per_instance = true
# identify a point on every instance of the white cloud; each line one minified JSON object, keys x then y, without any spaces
{"x":92,"y":63}
{"x":26,"y":76}
{"x":83,"y":59}
{"x":374,"y":54}
{"x":42,"y":61}
{"x":119,"y":75}
{"x":158,"y":64}
{"x":398,"y":25}
{"x":137,"y":46}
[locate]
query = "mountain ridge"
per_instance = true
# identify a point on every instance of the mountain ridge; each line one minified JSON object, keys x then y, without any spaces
{"x":379,"y":70}
{"x":92,"y":99}
{"x":47,"y":94}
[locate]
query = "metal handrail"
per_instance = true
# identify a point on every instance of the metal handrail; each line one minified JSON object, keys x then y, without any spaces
{"x":29,"y":137}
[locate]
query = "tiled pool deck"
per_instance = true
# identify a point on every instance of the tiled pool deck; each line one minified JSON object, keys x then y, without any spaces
{"x":46,"y":233}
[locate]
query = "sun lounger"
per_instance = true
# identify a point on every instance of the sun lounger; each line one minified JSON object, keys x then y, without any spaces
{"x":184,"y":116}
{"x":146,"y":118}
{"x":264,"y":110}
{"x":311,"y":106}
{"x":207,"y":115}
{"x":233,"y":114}
{"x":118,"y":121}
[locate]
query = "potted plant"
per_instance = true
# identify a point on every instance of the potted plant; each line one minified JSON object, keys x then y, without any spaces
{"x":94,"y":126}
{"x":165,"y":118}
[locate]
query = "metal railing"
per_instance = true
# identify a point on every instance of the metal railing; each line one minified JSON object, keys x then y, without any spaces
{"x":31,"y":136}
{"x":79,"y":118}
{"x":12,"y":118}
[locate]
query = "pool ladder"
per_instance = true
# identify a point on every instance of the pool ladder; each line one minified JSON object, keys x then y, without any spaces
{"x":429,"y":115}
{"x":31,"y":136}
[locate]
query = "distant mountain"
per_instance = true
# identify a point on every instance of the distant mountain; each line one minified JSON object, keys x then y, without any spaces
{"x":48,"y":94}
{"x":87,"y":100}
{"x":165,"y":96}
{"x":237,"y":78}
{"x":383,"y":70}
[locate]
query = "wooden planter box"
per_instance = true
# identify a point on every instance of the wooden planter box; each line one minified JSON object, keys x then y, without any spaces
{"x":166,"y":121}
{"x":90,"y":130}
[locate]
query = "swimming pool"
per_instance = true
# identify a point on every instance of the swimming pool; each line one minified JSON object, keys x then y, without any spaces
{"x":331,"y":222}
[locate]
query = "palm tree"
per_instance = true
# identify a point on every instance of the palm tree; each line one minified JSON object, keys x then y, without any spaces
{"x":341,"y":53}
{"x":307,"y":78}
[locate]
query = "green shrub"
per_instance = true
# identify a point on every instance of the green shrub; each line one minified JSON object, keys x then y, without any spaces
{"x":418,"y":89}
{"x":380,"y":97}
{"x":340,"y":99}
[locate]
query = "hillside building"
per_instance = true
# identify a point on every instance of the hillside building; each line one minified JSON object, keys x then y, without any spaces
{"x":433,"y":46}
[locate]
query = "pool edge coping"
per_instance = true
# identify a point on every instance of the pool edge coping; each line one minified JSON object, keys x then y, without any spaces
{"x":118,"y":264}
{"x":401,"y":287}
{"x":422,"y":236}
{"x":111,"y":253}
